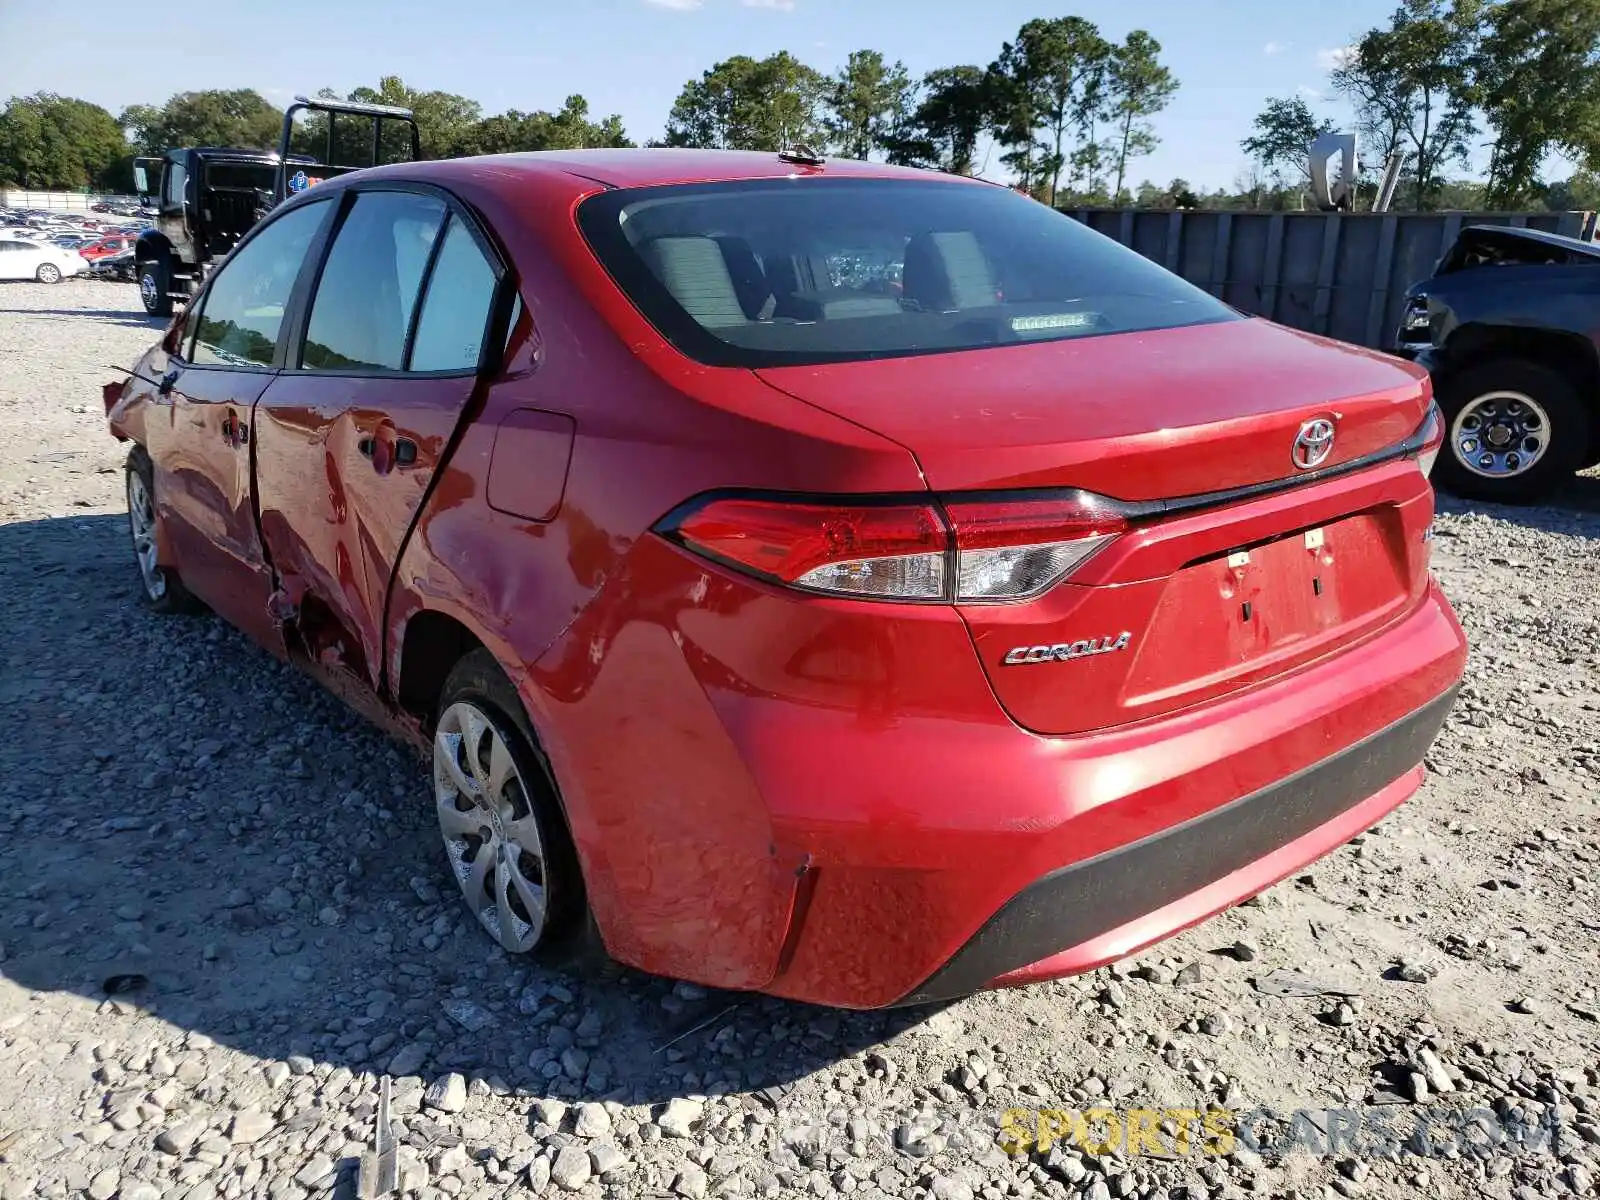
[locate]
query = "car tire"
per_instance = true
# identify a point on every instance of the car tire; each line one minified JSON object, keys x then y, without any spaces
{"x":155,"y":286}
{"x":1536,"y":409}
{"x":483,"y":739}
{"x":162,"y":590}
{"x":48,"y":273}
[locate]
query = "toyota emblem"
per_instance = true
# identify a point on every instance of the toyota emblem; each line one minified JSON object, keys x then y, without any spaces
{"x":1313,"y":443}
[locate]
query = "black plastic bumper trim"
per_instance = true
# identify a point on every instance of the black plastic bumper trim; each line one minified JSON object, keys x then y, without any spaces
{"x":1076,"y":903}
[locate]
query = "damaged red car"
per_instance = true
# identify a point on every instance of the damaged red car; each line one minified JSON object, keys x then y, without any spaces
{"x":850,"y":583}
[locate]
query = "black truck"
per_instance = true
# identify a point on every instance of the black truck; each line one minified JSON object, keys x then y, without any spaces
{"x":1508,"y":326}
{"x":208,"y":197}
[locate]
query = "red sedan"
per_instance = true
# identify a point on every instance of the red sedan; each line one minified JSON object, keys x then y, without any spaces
{"x":104,"y":247}
{"x":850,"y":583}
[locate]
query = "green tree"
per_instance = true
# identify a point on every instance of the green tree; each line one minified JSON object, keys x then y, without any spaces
{"x":570,"y":129}
{"x":1539,"y":83}
{"x":745,"y":104}
{"x":1580,"y":193}
{"x":1049,"y":84}
{"x":1412,"y":83}
{"x":239,"y":118}
{"x":50,"y":141}
{"x":1137,"y":87}
{"x":445,"y":121}
{"x":1281,"y":143}
{"x":942,"y":130}
{"x":863,"y":101}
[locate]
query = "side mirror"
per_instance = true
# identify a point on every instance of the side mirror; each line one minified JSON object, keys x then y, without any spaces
{"x":141,"y":179}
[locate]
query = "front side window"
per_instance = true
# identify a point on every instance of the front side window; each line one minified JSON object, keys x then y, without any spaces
{"x":364,"y":301}
{"x":242,"y":314}
{"x":794,"y":271}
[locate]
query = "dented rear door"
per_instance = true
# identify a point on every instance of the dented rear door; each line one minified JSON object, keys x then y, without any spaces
{"x":349,"y":439}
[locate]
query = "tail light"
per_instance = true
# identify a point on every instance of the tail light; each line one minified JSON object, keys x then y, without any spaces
{"x":1428,"y":438}
{"x":961,"y":549}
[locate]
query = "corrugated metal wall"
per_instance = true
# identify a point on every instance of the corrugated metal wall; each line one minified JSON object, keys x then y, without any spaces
{"x":1341,"y":274}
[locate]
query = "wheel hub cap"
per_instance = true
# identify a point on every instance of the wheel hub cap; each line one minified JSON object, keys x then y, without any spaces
{"x":142,"y":525}
{"x":1500,"y":434}
{"x":489,"y":830}
{"x":147,"y":289}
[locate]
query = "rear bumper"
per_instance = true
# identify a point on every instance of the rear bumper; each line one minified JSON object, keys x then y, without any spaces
{"x":1028,"y":858}
{"x":1075,"y":918}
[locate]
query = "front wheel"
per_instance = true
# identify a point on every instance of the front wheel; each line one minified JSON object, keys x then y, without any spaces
{"x":1514,"y":430}
{"x":48,"y":273}
{"x":155,"y":287}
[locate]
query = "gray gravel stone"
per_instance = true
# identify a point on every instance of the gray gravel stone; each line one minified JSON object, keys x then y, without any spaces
{"x":571,"y":1169}
{"x":447,"y":1094}
{"x":593,"y":1121}
{"x":679,"y":1117}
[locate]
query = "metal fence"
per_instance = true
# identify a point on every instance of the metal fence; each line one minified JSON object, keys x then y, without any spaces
{"x":53,"y":201}
{"x":1340,"y":274}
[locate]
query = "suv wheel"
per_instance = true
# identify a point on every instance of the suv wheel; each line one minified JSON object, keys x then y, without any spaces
{"x":1514,"y":430}
{"x":155,"y":285}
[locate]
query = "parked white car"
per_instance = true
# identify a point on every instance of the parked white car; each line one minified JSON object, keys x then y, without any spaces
{"x":38,"y":260}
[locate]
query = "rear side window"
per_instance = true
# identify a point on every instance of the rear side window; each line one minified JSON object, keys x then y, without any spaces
{"x":242,"y":315}
{"x":370,"y":283}
{"x":793,"y":271}
{"x":455,"y":313}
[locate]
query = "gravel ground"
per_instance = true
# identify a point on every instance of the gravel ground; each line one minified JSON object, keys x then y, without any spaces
{"x":254,"y":876}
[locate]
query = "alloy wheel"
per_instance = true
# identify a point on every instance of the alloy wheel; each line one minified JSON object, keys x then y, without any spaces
{"x":49,"y":273}
{"x":142,"y":525}
{"x":1500,"y":434}
{"x":489,"y":830}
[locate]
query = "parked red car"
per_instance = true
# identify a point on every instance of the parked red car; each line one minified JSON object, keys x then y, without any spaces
{"x":776,"y":631}
{"x":107,"y":246}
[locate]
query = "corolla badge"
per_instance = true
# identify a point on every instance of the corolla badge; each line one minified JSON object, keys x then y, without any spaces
{"x":1066,"y":651}
{"x":1313,"y":443}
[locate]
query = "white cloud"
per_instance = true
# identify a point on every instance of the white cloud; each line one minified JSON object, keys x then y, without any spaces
{"x":1308,"y":93}
{"x":1273,"y":49}
{"x":677,"y":5}
{"x":1338,"y":56}
{"x":780,"y":5}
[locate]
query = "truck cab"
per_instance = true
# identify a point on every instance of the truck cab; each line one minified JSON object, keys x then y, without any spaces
{"x":206,"y":198}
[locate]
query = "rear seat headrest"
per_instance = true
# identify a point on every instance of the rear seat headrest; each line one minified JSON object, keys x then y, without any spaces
{"x":694,"y":270}
{"x":948,"y":271}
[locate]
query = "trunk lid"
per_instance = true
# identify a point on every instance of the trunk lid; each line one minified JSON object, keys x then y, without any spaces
{"x":1137,"y":416}
{"x":1197,"y":604}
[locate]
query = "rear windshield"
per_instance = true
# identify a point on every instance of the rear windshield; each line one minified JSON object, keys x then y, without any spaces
{"x":791,"y":271}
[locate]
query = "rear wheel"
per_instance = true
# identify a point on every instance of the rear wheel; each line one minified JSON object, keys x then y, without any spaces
{"x":48,"y":273}
{"x":1514,"y":430}
{"x":155,"y":286}
{"x":163,"y":590}
{"x":505,"y":837}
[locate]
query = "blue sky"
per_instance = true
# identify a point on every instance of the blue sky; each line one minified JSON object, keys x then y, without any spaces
{"x":633,"y":56}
